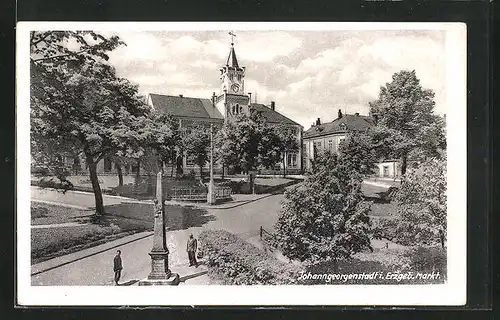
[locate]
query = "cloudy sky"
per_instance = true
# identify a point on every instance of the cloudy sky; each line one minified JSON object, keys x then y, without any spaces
{"x":309,"y":74}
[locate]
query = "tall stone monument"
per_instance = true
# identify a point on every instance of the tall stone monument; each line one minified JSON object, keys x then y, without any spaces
{"x":211,"y":198}
{"x":160,"y":273}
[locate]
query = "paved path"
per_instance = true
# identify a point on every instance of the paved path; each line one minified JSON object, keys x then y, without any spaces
{"x":77,"y":199}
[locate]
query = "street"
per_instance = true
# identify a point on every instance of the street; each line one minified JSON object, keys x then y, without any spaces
{"x":244,"y":220}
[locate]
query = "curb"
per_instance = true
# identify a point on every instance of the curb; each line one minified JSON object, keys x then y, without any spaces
{"x":103,"y":194}
{"x":376,"y":184}
{"x":197,"y":205}
{"x":121,"y":243}
{"x":62,"y":204}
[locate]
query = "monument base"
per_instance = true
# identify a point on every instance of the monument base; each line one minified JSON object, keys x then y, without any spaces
{"x":173,"y":280}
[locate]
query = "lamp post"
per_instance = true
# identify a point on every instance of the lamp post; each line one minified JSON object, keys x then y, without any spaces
{"x":211,"y":186}
{"x":160,"y":273}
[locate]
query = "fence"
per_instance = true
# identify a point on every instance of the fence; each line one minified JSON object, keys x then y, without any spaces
{"x":198,"y":194}
{"x":265,"y":237}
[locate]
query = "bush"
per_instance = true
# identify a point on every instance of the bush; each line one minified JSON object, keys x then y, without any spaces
{"x":427,"y":259}
{"x":54,"y":183}
{"x":235,"y":261}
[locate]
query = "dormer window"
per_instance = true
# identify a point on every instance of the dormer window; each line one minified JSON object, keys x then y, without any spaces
{"x":343,"y":127}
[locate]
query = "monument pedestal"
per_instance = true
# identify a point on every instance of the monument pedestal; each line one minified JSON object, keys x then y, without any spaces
{"x":160,"y":274}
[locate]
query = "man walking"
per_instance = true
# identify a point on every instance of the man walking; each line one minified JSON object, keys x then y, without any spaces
{"x":192,"y":246}
{"x":117,"y":266}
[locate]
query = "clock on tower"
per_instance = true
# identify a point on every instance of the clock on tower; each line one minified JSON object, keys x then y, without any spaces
{"x":235,"y":87}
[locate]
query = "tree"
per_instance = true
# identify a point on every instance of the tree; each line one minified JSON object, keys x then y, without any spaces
{"x":240,"y":142}
{"x":77,"y":97}
{"x":165,"y":138}
{"x":287,"y":143}
{"x":421,"y":202}
{"x":196,"y":143}
{"x":247,"y":142}
{"x":324,"y":218}
{"x":358,"y":152}
{"x":407,"y":125}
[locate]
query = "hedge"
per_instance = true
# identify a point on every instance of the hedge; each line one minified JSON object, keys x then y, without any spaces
{"x":231,"y":260}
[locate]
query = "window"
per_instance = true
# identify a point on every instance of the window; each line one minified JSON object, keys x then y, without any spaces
{"x":386,"y":171}
{"x":292,"y":160}
{"x":190,"y":160}
{"x":236,"y":109}
{"x":135,"y":168}
{"x":330,"y":144}
{"x":107,"y":165}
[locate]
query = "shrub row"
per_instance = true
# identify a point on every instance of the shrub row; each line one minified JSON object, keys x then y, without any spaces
{"x":53,"y":183}
{"x":232,"y":260}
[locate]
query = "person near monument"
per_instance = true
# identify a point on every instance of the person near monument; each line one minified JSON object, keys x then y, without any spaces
{"x":192,"y":246}
{"x":118,"y":266}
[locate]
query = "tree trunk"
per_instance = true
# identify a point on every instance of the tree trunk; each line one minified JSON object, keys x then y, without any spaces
{"x":441,"y":238}
{"x":201,"y":172}
{"x":99,"y":205}
{"x":284,"y":167}
{"x":223,"y":171}
{"x":138,"y":172}
{"x":120,"y":175}
{"x":404,"y":164}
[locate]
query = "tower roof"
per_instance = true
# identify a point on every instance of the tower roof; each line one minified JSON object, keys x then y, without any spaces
{"x":231,"y":59}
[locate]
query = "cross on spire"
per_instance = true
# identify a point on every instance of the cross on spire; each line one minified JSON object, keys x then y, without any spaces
{"x":231,"y":33}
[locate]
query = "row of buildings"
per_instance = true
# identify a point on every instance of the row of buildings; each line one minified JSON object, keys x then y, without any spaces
{"x":231,"y":101}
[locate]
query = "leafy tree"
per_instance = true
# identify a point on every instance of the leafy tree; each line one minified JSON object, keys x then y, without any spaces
{"x":287,"y":142}
{"x":240,"y":142}
{"x":407,"y":125}
{"x":247,"y":142}
{"x":77,"y":97}
{"x":196,"y":143}
{"x":421,"y":202}
{"x":324,"y":218}
{"x":358,"y":152}
{"x":165,"y":138}
{"x":270,"y":147}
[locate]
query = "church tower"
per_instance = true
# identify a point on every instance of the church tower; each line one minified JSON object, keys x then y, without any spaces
{"x":232,"y":99}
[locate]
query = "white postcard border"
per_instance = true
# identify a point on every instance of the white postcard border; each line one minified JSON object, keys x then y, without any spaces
{"x":451,"y":293}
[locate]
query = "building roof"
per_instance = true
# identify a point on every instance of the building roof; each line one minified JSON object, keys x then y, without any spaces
{"x":178,"y":106}
{"x":348,"y":122}
{"x":231,"y":59}
{"x":202,"y":108}
{"x":271,"y":115}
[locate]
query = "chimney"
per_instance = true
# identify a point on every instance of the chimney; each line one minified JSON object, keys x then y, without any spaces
{"x":357,"y":114}
{"x":318,"y":122}
{"x":213,"y":99}
{"x":180,"y":96}
{"x":249,"y":98}
{"x":340,"y":114}
{"x":272,"y":105}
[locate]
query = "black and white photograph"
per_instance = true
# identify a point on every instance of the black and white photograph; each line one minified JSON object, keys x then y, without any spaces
{"x":241,"y":163}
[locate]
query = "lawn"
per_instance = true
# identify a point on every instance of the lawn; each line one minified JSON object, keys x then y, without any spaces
{"x":42,"y":213}
{"x":120,"y":220}
{"x":86,"y":231}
